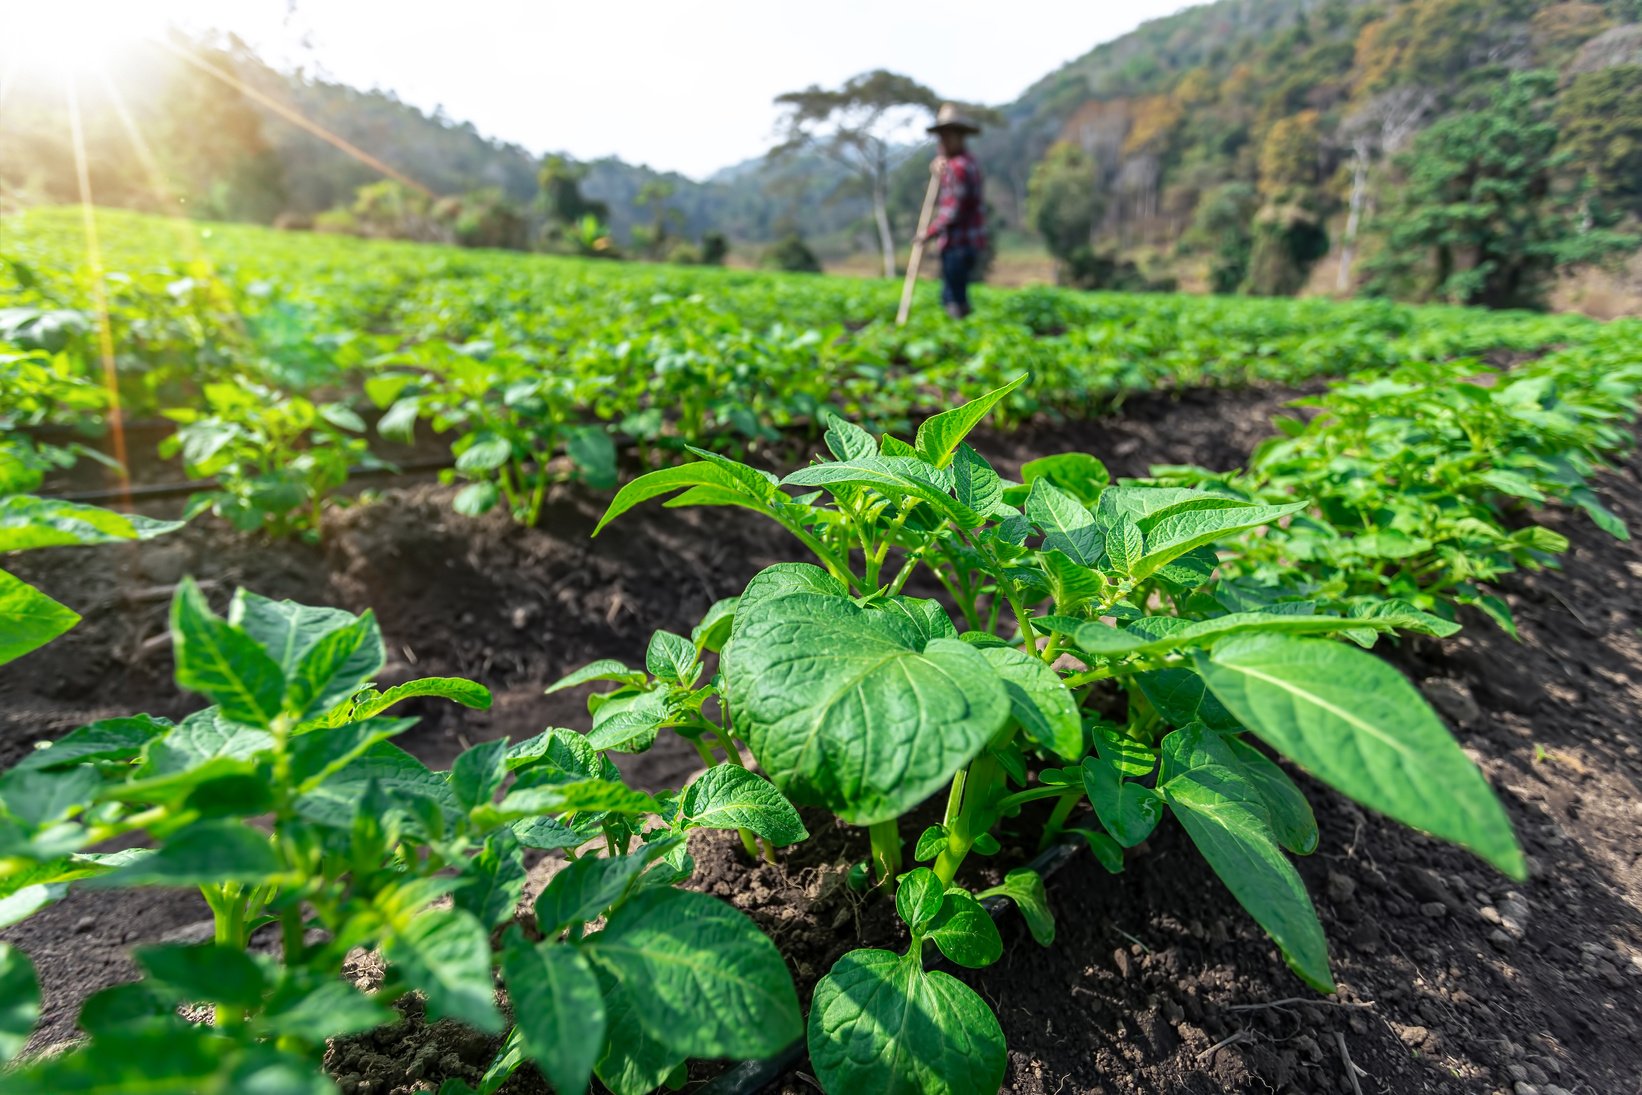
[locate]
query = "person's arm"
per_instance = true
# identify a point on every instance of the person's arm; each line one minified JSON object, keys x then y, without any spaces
{"x":946,"y":205}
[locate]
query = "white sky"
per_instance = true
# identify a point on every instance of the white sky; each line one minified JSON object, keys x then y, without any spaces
{"x":680,"y":85}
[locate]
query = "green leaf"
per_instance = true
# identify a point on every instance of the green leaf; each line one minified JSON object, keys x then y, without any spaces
{"x":976,"y":484}
{"x":585,"y":889}
{"x":445,"y":953}
{"x":931,"y":842}
{"x":1125,"y":546}
{"x":286,"y":630}
{"x":730,"y":797}
{"x":162,"y":1056}
{"x":754,"y":487}
{"x":850,"y":709}
{"x":879,"y":1022}
{"x":594,"y":454}
{"x":845,"y":440}
{"x":636,"y":1063}
{"x":205,"y":853}
{"x":40,"y":798}
{"x":605,"y":669}
{"x":1108,"y":852}
{"x":210,"y":972}
{"x":28,"y":522}
{"x":559,"y":1010}
{"x":1066,"y":523}
{"x":1292,"y":821}
{"x":714,"y":628}
{"x":1071,"y":585}
{"x":106,"y":739}
{"x":477,"y":773}
{"x":222,"y":662}
{"x":312,"y":1007}
{"x":1040,"y":702}
{"x":476,"y":499}
{"x":1129,"y":810}
{"x":485,"y":454}
{"x":334,"y":667}
{"x":133,"y":1003}
{"x":1182,"y":698}
{"x":1176,"y":530}
{"x":1079,"y":474}
{"x":395,"y":771}
{"x":19,"y":1001}
{"x":1225,"y":817}
{"x":493,"y":881}
{"x":940,"y":434}
{"x":1356,"y":723}
{"x":31,"y":618}
{"x":465,"y":692}
{"x":918,"y":898}
{"x":963,"y":930}
{"x":711,"y":983}
{"x":1024,"y":887}
{"x":671,"y":658}
{"x":319,"y":754}
{"x":897,"y":478}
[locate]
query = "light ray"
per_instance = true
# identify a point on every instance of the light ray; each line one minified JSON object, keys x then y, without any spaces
{"x":99,"y":291}
{"x":294,"y":117}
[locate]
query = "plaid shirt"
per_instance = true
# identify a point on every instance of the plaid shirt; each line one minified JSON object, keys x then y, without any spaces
{"x":960,"y":221}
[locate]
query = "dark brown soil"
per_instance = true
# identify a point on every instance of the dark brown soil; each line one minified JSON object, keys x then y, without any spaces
{"x":1157,"y":982}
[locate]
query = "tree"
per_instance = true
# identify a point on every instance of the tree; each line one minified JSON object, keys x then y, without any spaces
{"x":790,"y":252}
{"x":655,"y":238}
{"x":1600,"y":117}
{"x":1481,"y":219}
{"x":1380,"y":127}
{"x":1063,"y":204}
{"x":868,"y":126}
{"x":1288,"y":231}
{"x":484,"y":218}
{"x":1222,"y":227}
{"x":559,"y":180}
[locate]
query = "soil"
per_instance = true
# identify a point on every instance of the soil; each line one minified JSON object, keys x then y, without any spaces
{"x":1451,"y":978}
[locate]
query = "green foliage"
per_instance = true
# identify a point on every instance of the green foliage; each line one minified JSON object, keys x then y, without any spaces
{"x":1599,"y":119}
{"x":361,"y":842}
{"x":1063,"y":204}
{"x":1481,"y":219}
{"x":791,"y":253}
{"x":853,"y":696}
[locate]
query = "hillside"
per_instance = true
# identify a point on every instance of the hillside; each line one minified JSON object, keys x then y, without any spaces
{"x":1246,"y":145}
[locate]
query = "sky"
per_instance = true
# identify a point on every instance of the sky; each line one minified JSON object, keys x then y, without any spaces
{"x":679,"y":85}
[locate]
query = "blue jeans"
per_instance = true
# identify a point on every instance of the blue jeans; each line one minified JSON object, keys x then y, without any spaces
{"x":957,"y":268}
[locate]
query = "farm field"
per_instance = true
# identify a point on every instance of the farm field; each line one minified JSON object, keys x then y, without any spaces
{"x":1388,"y":545}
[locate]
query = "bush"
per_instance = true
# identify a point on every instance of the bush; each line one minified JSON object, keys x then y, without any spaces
{"x":791,"y":253}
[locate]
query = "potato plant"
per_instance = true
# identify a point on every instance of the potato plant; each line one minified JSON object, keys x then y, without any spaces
{"x":1095,"y":658}
{"x":310,"y":834}
{"x":1415,"y":478}
{"x":512,"y":419}
{"x":276,"y":458}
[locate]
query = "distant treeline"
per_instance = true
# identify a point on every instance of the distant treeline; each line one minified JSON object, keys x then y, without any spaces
{"x":1464,"y":150}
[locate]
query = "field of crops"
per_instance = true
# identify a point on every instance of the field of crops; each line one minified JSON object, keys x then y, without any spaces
{"x":521,"y":674}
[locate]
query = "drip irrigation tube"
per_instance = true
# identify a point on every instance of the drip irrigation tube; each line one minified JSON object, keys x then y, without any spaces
{"x":751,"y":1077}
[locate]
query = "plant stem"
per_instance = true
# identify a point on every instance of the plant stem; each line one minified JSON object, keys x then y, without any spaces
{"x":886,"y":849}
{"x":1057,"y":817}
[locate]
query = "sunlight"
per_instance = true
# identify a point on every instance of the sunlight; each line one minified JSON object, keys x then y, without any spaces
{"x":75,"y":37}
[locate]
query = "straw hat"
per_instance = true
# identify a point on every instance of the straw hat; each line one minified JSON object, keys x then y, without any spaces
{"x":951,"y":116}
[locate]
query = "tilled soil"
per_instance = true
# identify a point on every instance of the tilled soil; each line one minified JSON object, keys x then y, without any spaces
{"x":1452,"y":979}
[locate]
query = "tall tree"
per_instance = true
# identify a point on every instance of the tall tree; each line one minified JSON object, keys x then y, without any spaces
{"x":868,"y":126}
{"x":1482,"y":219}
{"x":1380,"y":127}
{"x":1064,"y":204}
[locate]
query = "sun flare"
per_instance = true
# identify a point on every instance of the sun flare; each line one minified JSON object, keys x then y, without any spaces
{"x":74,"y":37}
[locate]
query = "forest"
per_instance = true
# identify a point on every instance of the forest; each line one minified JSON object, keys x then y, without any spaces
{"x":1454,"y":150}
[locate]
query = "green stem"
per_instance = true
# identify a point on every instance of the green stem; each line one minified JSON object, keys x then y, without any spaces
{"x":1057,"y":818}
{"x":886,"y":849}
{"x":973,"y":816}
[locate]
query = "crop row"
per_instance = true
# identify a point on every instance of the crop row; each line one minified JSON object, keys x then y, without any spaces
{"x":271,"y":350}
{"x":1108,"y":656}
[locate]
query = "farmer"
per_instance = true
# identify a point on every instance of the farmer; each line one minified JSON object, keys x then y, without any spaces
{"x":959,"y":221}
